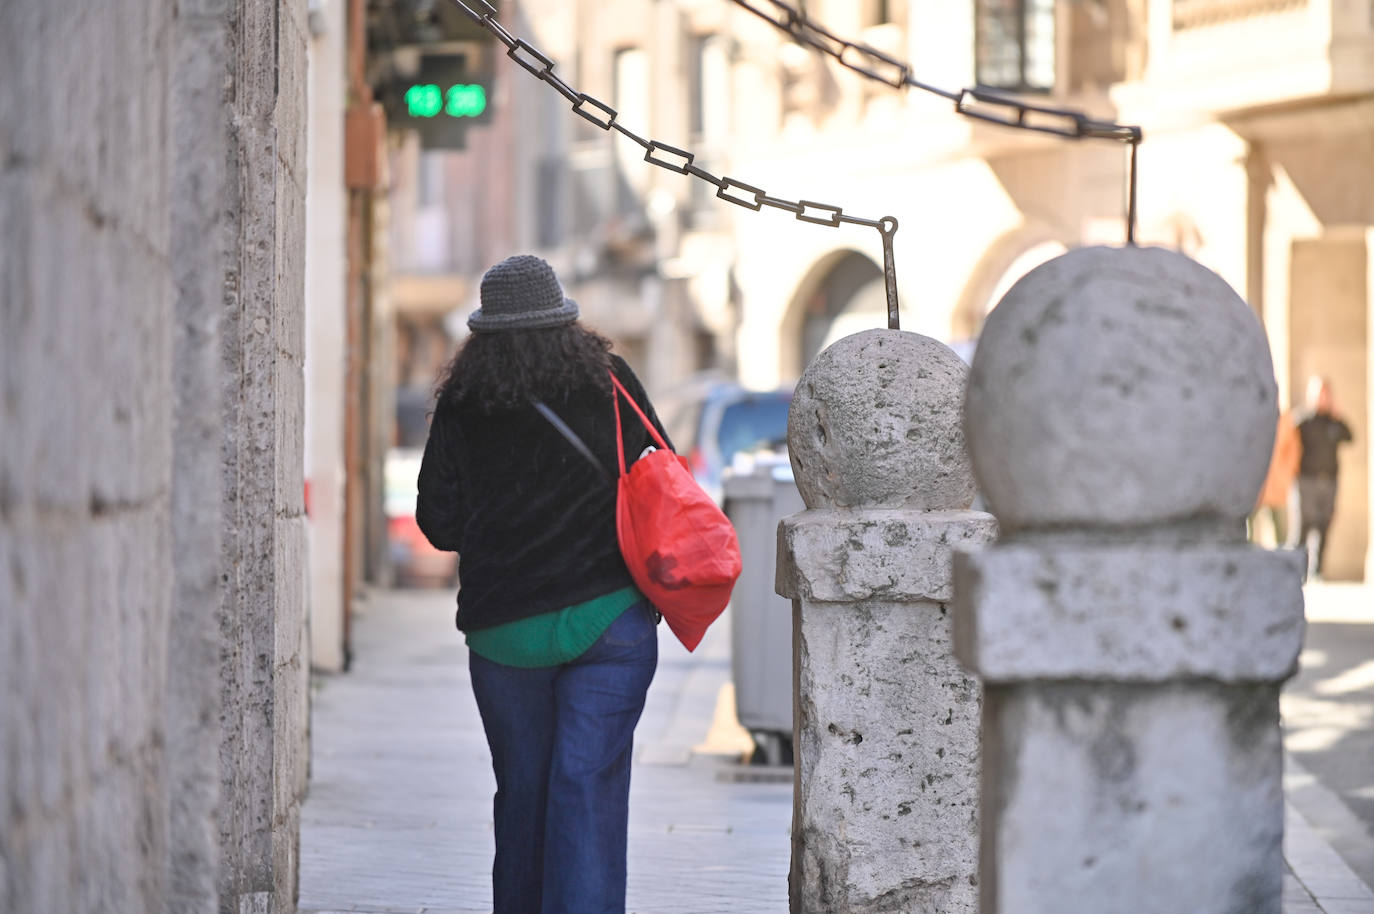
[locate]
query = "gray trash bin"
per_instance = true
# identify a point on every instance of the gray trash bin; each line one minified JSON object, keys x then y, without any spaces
{"x":760,"y":620}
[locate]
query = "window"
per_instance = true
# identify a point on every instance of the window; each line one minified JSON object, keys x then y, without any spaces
{"x":631,"y":87}
{"x":548,"y":215}
{"x":708,"y":62}
{"x":430,"y":248}
{"x":429,"y":180}
{"x":877,"y":12}
{"x":1014,"y":44}
{"x":631,"y":94}
{"x":708,"y":119}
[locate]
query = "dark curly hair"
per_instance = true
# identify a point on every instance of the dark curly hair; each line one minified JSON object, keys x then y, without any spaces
{"x":509,"y":368}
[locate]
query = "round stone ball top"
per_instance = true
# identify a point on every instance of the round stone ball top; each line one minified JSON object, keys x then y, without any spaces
{"x":876,"y":422}
{"x":1117,"y":387}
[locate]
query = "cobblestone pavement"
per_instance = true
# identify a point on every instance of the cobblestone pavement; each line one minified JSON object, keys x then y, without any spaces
{"x":398,"y":818}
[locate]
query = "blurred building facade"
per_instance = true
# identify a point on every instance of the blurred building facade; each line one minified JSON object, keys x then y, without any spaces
{"x":644,"y":252}
{"x":326,"y":334}
{"x":1259,"y":125}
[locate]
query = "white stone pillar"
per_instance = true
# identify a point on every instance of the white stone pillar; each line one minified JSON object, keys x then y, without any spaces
{"x":1120,"y":415}
{"x":886,"y":725}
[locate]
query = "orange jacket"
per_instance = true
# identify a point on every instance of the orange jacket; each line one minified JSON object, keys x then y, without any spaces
{"x":1283,"y":466}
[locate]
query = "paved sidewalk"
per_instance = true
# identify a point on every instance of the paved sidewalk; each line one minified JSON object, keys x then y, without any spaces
{"x":398,"y":818}
{"x":1328,"y":715}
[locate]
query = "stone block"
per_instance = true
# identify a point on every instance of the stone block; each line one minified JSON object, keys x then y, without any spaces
{"x":255,"y":74}
{"x":893,"y":555}
{"x":293,"y":56}
{"x":289,"y":618}
{"x":888,"y":750}
{"x":213,"y":11}
{"x":289,"y":472}
{"x":290,"y":260}
{"x":1132,"y":799}
{"x":47,"y":465}
{"x":286,"y":859}
{"x":1129,"y":613}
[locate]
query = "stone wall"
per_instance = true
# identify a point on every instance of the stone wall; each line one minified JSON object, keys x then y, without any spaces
{"x":150,"y":308}
{"x":264,"y":665}
{"x":200,"y":242}
{"x":86,"y":568}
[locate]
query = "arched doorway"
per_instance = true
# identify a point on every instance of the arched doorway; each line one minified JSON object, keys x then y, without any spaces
{"x":1004,"y":264}
{"x":850,"y":297}
{"x":1023,"y":263}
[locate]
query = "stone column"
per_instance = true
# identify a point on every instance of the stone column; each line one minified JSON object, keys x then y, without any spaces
{"x":1120,"y":413}
{"x":886,"y":725}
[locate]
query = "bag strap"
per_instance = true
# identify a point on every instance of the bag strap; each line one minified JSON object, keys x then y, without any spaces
{"x":581,"y":446}
{"x":653,"y":432}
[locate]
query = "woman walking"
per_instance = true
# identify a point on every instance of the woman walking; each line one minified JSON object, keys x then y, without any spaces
{"x":562,"y":646}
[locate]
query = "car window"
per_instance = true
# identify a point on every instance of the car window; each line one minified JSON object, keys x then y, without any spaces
{"x":754,"y":423}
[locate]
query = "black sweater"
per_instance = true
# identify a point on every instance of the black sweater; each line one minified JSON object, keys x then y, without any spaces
{"x":1321,"y":435}
{"x":532,"y":521}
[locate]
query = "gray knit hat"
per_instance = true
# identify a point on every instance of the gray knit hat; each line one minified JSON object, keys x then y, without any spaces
{"x":521,"y":293}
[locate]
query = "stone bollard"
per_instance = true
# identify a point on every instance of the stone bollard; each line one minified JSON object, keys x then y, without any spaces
{"x":1120,"y":412}
{"x":885,"y":817}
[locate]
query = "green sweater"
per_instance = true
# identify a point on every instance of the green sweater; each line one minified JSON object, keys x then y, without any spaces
{"x":552,"y":638}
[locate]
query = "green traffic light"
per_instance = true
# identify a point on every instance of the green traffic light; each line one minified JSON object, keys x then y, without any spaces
{"x":427,"y":100}
{"x":424,"y":101}
{"x":466,"y":101}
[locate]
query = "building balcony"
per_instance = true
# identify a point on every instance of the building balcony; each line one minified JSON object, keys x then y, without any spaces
{"x":1228,"y":56}
{"x":1189,"y":14}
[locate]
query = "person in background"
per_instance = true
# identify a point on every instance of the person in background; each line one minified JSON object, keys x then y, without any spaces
{"x":561,"y":644}
{"x":1321,"y":433}
{"x":1277,"y":492}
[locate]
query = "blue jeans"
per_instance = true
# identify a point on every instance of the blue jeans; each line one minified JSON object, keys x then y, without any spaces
{"x":561,"y":739}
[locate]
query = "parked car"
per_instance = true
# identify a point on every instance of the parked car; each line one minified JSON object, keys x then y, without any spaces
{"x":715,"y":422}
{"x":414,"y":562}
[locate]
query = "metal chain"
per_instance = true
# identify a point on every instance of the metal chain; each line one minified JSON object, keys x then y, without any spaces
{"x":980,"y":104}
{"x":680,"y":160}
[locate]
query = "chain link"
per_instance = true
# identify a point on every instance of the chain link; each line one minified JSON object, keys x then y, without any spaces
{"x":802,"y":29}
{"x":671,"y":158}
{"x":796,"y":23}
{"x":980,"y":104}
{"x":857,"y":57}
{"x":867,"y":61}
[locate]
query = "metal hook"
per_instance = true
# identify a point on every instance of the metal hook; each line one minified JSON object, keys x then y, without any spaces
{"x":1130,"y":204}
{"x":887,"y":227}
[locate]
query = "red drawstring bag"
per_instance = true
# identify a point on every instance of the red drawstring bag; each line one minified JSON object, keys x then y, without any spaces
{"x":680,"y":548}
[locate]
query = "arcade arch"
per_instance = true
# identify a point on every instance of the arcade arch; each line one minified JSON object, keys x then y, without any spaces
{"x":1006,"y":261}
{"x":842,"y":293}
